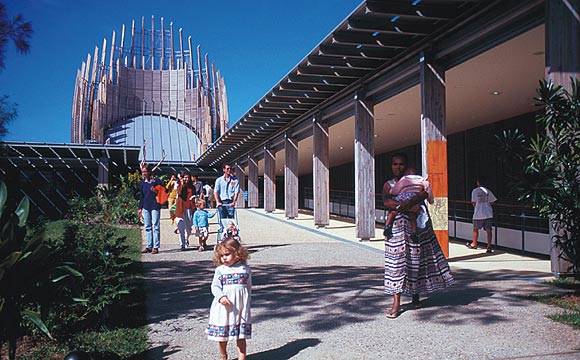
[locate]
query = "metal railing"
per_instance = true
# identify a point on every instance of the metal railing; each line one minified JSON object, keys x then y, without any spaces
{"x":516,"y":217}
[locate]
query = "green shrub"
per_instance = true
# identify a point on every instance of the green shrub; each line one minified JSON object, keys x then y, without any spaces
{"x":104,"y":255}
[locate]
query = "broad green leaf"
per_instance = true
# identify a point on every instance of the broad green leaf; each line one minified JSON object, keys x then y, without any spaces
{"x":80,"y":300}
{"x":70,"y":270}
{"x":36,"y":320}
{"x":22,"y":211}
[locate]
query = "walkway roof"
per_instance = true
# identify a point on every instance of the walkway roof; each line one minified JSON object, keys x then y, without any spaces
{"x":376,"y":41}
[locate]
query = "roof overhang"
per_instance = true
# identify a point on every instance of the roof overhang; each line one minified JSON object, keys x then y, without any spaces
{"x":376,"y":48}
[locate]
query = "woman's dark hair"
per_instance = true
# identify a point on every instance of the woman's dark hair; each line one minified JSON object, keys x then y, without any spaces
{"x":401,"y":156}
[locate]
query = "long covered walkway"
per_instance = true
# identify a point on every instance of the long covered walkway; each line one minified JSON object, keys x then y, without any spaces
{"x":318,"y":294}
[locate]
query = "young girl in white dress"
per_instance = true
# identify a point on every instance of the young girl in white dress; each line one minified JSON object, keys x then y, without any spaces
{"x":230,"y":317}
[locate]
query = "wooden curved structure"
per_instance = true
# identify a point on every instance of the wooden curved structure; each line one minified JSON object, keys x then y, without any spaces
{"x":147,"y":73}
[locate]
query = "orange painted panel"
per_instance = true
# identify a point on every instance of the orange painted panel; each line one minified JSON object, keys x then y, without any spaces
{"x":437,"y":167}
{"x":443,"y":239}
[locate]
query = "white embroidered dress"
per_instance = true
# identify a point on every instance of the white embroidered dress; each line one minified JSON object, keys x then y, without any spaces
{"x":235,"y":321}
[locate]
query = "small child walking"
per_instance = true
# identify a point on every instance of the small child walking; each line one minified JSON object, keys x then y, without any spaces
{"x":230,"y":316}
{"x":201,"y":223}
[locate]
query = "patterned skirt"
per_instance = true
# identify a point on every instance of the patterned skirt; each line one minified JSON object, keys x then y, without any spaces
{"x":414,"y":266}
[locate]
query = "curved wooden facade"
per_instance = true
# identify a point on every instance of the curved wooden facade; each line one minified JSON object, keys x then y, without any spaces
{"x":148,"y":72}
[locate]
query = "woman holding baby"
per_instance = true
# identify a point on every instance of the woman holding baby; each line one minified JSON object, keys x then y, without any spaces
{"x":414,"y":262}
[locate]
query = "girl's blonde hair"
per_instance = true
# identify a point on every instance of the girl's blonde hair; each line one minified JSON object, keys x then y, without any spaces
{"x":232,"y":245}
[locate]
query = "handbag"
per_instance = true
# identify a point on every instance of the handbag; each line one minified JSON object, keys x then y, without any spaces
{"x":161,"y":196}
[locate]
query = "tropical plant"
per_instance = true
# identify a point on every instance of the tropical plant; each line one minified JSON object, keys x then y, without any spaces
{"x":19,"y":31}
{"x":551,"y":181}
{"x":25,"y":270}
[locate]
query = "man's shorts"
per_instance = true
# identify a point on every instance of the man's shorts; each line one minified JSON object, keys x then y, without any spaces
{"x":202,"y":231}
{"x":482,"y":224}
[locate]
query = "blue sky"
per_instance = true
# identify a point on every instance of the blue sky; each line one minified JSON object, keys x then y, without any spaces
{"x":254,"y":43}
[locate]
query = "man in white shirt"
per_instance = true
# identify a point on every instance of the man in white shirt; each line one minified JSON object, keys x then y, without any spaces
{"x":482,"y":199}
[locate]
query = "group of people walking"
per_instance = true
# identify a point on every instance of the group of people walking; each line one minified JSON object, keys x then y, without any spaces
{"x":187,"y":201}
{"x":414,"y":261}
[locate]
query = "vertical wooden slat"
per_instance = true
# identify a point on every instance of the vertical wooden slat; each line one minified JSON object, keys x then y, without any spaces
{"x":562,"y":41}
{"x":241,"y":175}
{"x":152,"y":49}
{"x":162,"y":57}
{"x":143,"y":43}
{"x":434,"y":145}
{"x":364,"y":167}
{"x":291,"y":176}
{"x":269,"y":180}
{"x":253,"y":198}
{"x":320,"y":172}
{"x":111,"y":56}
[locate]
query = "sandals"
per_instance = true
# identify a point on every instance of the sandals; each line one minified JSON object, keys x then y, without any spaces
{"x":393,"y":314}
{"x":469,"y":246}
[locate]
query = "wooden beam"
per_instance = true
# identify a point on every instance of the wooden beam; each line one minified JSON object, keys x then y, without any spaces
{"x":241,"y":175}
{"x":269,"y":180}
{"x":364,"y":166}
{"x":253,"y":199}
{"x":562,"y":41}
{"x":291,"y":177}
{"x":320,"y":172}
{"x":434,"y":145}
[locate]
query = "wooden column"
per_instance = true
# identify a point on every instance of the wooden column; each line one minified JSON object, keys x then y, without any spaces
{"x":269,"y":180}
{"x":253,"y":199}
{"x":364,"y":167}
{"x":320,"y":172}
{"x":241,"y":175}
{"x":291,"y":177}
{"x":103,"y":172}
{"x":562,"y":41}
{"x":434,"y":145}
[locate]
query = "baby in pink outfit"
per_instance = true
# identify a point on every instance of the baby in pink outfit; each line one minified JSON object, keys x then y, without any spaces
{"x":405,"y":189}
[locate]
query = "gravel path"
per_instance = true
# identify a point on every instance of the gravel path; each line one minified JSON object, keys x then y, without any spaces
{"x":318,"y":298}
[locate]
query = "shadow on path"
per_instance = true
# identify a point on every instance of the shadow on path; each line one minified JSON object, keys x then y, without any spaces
{"x":285,"y":352}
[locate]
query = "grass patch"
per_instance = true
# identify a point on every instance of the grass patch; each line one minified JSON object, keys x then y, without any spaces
{"x":569,"y":302}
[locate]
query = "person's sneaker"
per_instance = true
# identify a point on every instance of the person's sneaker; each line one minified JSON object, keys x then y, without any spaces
{"x":155,"y":251}
{"x":489,"y":250}
{"x":183,"y":248}
{"x":176,"y":231}
{"x":146,"y":250}
{"x":200,"y":249}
